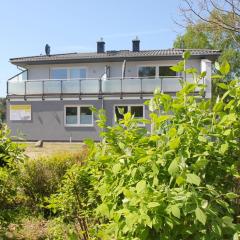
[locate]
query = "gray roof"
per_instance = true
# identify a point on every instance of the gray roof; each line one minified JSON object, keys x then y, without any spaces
{"x":145,"y":55}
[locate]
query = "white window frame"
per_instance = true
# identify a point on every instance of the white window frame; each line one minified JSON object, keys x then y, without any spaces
{"x":129,"y":110}
{"x":78,"y":116}
{"x":68,"y":72}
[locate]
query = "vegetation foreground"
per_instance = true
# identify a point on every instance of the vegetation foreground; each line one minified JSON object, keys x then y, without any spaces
{"x":178,"y":180}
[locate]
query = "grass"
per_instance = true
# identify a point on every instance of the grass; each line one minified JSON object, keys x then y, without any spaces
{"x":50,"y":148}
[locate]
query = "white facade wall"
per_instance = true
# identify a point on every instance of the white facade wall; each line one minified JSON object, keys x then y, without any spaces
{"x":95,"y":70}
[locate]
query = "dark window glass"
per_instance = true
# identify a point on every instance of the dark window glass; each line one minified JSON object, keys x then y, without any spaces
{"x":120,"y":110}
{"x":137,"y":111}
{"x":147,"y":72}
{"x":86,"y":115}
{"x":166,"y":71}
{"x":71,"y":115}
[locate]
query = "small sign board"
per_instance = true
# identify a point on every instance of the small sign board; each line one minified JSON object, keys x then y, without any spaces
{"x":20,"y":112}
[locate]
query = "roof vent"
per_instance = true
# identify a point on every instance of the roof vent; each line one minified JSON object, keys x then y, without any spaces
{"x":47,"y":49}
{"x":136,"y":45}
{"x":101,"y":46}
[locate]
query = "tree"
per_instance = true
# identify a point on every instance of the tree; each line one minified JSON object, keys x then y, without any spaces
{"x":221,"y":15}
{"x":202,"y":35}
{"x":2,"y":109}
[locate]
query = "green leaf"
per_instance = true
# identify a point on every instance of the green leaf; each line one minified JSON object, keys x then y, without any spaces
{"x":89,"y":142}
{"x":173,"y":167}
{"x":179,"y":67}
{"x":174,"y":143}
{"x":218,"y":107}
{"x":141,"y":186}
{"x":217,"y":229}
{"x":223,"y":86}
{"x":202,"y":139}
{"x":223,"y":148}
{"x":191,"y":70}
{"x":193,"y":179}
{"x":201,"y":163}
{"x":153,"y":204}
{"x":224,"y":68}
{"x":180,"y":180}
{"x":203,"y":74}
{"x":200,"y":216}
{"x":236,"y":236}
{"x":204,"y":204}
{"x":227,"y":132}
{"x":116,"y":168}
{"x":103,"y":210}
{"x":175,"y":211}
{"x":232,"y":195}
{"x":227,"y":221}
{"x":186,"y":55}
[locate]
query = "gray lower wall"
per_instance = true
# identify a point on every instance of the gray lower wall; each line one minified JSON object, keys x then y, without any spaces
{"x":48,"y":120}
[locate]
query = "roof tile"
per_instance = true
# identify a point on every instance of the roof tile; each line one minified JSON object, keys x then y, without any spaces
{"x":114,"y":54}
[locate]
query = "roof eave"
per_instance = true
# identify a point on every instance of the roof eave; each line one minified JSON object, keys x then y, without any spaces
{"x":23,"y":63}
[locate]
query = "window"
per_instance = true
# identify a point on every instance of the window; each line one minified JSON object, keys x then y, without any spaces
{"x":59,"y":73}
{"x":147,"y":72}
{"x":119,"y":111}
{"x":166,"y":71}
{"x":71,"y":115}
{"x":68,"y":73}
{"x":78,"y":116}
{"x":85,"y":115}
{"x":136,"y":110}
{"x":78,"y":73}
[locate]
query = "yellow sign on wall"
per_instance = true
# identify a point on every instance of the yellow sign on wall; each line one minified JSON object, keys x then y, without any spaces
{"x":20,"y":112}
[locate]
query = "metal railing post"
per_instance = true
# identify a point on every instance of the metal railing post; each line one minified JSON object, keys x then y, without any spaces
{"x":121,"y":93}
{"x":7,"y":88}
{"x":25,"y":89}
{"x":80,"y":89}
{"x":141,"y":90}
{"x":43,"y":90}
{"x":100,"y":86}
{"x":61,"y":82}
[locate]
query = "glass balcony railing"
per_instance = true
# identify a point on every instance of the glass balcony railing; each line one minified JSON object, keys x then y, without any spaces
{"x":93,"y":86}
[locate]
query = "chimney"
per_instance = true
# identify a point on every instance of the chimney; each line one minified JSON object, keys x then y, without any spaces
{"x":100,"y":46}
{"x":136,"y":45}
{"x":47,"y":49}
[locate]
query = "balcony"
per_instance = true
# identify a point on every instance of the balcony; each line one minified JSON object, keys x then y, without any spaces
{"x":88,"y":87}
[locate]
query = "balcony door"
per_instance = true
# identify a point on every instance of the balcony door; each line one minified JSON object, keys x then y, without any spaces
{"x":67,"y":80}
{"x":74,"y":73}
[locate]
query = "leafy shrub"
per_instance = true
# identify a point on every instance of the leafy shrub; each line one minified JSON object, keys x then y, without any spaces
{"x":39,"y":178}
{"x":175,"y":182}
{"x":10,"y":154}
{"x":75,"y":200}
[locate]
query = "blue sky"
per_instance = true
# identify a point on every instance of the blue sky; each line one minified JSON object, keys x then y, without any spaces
{"x":75,"y":26}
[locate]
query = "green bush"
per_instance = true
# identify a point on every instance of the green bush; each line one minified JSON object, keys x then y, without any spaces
{"x":177,"y":181}
{"x":39,"y":178}
{"x":11,"y":154}
{"x":75,"y":200}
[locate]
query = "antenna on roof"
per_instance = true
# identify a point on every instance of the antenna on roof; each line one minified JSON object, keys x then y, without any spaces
{"x":47,"y":49}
